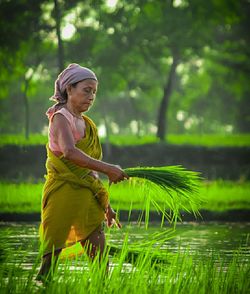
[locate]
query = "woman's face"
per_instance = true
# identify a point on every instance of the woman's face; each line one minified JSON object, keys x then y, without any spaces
{"x":82,"y":96}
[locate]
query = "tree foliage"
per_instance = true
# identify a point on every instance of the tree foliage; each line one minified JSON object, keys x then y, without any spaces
{"x":163,"y":66}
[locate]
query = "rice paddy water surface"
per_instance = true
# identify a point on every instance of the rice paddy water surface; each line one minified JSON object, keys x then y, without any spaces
{"x":201,"y":240}
{"x":187,"y":260}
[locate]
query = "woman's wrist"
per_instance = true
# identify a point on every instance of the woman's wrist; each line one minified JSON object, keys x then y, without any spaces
{"x":108,"y":207}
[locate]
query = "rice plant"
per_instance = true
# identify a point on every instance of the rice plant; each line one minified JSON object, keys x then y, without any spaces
{"x":171,"y":186}
{"x":182,"y":274}
{"x":219,"y":195}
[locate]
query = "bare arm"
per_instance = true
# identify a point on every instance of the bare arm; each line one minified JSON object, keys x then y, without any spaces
{"x":65,"y":140}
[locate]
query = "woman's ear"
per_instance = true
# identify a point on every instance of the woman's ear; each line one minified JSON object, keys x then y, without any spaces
{"x":68,"y":89}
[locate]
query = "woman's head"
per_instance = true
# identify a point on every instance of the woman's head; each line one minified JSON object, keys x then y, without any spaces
{"x":81,"y":95}
{"x":70,"y":77}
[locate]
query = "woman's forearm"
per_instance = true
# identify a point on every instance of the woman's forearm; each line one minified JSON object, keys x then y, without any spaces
{"x":82,"y":159}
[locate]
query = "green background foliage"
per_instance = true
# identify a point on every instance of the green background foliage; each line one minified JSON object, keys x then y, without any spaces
{"x":173,"y":66}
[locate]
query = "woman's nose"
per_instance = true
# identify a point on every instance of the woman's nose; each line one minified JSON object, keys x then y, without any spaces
{"x":91,"y":97}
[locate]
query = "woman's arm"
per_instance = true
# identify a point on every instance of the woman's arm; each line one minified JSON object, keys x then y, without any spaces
{"x":65,"y":141}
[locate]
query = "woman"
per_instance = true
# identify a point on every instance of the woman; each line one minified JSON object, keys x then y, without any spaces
{"x":75,"y":203}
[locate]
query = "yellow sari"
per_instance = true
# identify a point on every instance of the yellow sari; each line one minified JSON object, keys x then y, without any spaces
{"x":73,"y":201}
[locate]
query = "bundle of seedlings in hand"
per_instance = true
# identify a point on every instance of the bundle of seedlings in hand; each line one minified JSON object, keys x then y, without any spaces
{"x":179,"y":186}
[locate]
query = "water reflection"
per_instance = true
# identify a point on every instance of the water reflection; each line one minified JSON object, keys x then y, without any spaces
{"x":20,"y":240}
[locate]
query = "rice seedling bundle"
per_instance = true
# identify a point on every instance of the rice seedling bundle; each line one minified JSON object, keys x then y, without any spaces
{"x":173,"y":187}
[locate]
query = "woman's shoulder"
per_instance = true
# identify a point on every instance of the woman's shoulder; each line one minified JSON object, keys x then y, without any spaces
{"x":64,"y":112}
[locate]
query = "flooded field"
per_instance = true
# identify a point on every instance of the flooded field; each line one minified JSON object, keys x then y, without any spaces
{"x":196,"y":258}
{"x":199,"y":239}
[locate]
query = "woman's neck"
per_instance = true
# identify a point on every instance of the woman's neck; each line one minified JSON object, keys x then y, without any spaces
{"x":73,"y":111}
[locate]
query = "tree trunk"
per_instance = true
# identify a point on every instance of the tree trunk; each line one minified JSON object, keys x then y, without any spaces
{"x":162,"y":114}
{"x":60,"y":54}
{"x":136,"y":114}
{"x":139,"y":128}
{"x":243,"y":116}
{"x":26,"y":109}
{"x":107,"y":138}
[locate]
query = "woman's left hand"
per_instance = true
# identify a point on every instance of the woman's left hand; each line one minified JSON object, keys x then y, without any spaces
{"x":94,"y":174}
{"x":111,"y":218}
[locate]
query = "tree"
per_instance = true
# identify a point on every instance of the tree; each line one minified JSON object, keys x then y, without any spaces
{"x":145,"y":54}
{"x":24,"y":50}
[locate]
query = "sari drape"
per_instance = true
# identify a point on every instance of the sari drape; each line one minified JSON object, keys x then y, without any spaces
{"x":73,"y":201}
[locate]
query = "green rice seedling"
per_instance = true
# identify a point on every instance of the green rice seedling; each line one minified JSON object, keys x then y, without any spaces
{"x":12,"y":275}
{"x":210,"y":140}
{"x":20,"y":197}
{"x":217,"y":196}
{"x":169,"y":185}
{"x":183,"y":274}
{"x":134,"y":248}
{"x":19,"y":139}
{"x":221,"y":195}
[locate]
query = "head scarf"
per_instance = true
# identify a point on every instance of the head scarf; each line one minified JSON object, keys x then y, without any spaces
{"x":73,"y":73}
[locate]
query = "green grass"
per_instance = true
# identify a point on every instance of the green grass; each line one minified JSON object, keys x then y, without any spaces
{"x":180,"y":274}
{"x":222,"y":195}
{"x":21,"y":198}
{"x":19,"y":139}
{"x":209,"y":140}
{"x":217,"y":196}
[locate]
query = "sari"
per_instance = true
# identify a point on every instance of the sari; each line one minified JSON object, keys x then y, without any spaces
{"x":73,"y":201}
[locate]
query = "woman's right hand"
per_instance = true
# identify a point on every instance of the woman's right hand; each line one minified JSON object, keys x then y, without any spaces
{"x":116,"y":174}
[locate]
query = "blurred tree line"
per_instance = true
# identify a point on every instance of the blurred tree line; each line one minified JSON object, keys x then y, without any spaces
{"x":163,"y":65}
